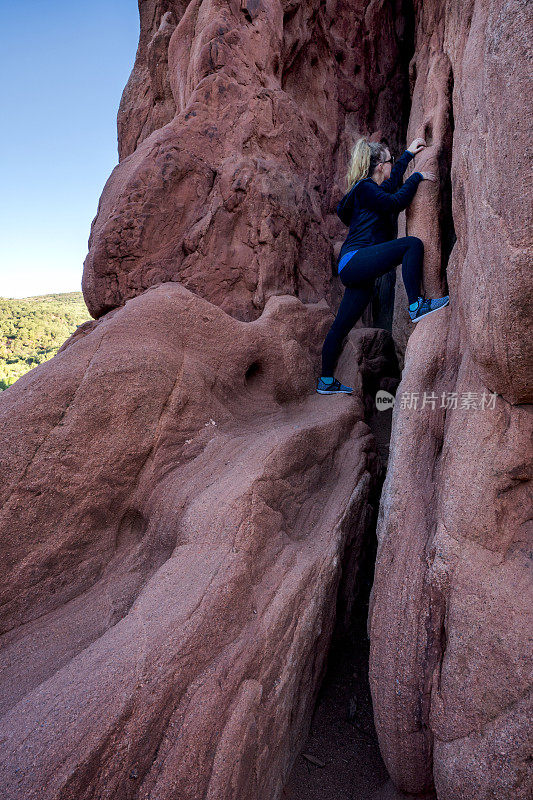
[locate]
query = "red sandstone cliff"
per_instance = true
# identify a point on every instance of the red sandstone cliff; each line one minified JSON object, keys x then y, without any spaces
{"x":230,"y":186}
{"x":175,"y":522}
{"x":451,"y":619}
{"x":177,"y":510}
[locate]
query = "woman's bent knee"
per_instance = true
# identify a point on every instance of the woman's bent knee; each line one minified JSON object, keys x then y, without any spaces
{"x":415,"y":242}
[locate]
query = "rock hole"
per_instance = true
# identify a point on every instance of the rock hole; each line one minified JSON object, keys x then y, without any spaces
{"x":250,"y":9}
{"x":253,"y":372}
{"x":339,"y":57}
{"x":289,"y":14}
{"x":428,"y":133}
{"x":130,"y":531}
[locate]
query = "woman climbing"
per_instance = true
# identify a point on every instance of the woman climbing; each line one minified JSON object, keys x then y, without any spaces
{"x":375,"y":195}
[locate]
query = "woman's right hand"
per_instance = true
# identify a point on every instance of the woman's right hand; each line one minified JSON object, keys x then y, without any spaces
{"x":429,"y":176}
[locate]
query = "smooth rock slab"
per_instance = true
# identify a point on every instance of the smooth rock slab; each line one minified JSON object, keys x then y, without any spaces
{"x":175,"y":516}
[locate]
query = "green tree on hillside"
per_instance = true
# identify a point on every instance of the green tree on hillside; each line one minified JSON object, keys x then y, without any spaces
{"x":33,"y":329}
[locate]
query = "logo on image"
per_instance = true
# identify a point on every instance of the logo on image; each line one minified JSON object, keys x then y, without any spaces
{"x":384,"y":400}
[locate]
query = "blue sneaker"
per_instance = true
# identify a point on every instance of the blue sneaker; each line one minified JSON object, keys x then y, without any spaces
{"x":426,"y":307}
{"x":332,"y":388}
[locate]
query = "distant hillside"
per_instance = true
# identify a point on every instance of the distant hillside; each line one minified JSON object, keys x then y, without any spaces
{"x":33,"y":329}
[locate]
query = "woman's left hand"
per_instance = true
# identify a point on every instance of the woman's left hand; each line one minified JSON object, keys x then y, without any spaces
{"x":416,"y":146}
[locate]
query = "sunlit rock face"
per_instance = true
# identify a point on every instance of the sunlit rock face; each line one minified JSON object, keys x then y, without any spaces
{"x":234,"y":132}
{"x":180,"y":511}
{"x":179,"y":508}
{"x":452,"y":595}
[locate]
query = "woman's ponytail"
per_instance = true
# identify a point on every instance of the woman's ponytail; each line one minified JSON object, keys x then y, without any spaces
{"x":364,"y":157}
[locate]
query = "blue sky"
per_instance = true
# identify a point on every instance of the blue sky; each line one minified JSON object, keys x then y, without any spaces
{"x":63,"y":66}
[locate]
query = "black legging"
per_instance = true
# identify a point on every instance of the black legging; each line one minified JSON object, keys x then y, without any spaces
{"x":358,"y":275}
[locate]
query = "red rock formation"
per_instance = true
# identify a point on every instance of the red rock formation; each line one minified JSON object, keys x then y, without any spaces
{"x":176,"y":509}
{"x":231,"y":129}
{"x":175,"y":513}
{"x":451,"y":600}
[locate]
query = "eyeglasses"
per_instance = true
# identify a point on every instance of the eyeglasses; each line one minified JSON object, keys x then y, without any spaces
{"x":389,"y":160}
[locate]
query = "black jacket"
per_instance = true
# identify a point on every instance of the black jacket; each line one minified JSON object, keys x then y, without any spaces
{"x":371,"y":210}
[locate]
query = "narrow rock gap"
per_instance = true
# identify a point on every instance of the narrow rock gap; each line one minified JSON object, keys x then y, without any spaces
{"x":407,"y":52}
{"x":446,"y":223}
{"x":341,"y":759}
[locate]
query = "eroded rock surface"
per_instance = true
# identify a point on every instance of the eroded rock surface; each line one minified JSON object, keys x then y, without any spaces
{"x":175,"y":514}
{"x":234,"y":130}
{"x":179,"y":502}
{"x":451,"y":618}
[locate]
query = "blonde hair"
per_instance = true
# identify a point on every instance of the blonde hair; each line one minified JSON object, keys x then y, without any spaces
{"x":364,"y":158}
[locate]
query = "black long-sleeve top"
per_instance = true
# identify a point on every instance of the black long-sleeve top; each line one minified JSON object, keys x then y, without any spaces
{"x":371,"y":210}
